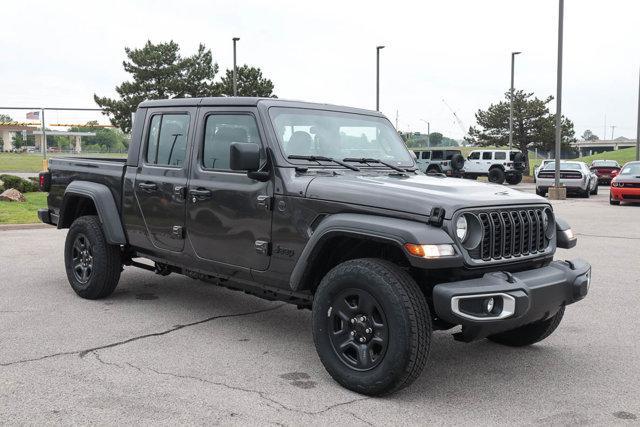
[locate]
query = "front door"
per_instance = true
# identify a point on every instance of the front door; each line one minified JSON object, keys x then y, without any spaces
{"x":161,"y":180}
{"x":228,"y":214}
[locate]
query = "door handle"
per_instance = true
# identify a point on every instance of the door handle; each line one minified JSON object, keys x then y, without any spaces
{"x":199,"y":194}
{"x":147,"y":186}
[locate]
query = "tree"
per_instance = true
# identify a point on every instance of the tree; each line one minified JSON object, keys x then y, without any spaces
{"x":4,"y":118}
{"x":105,"y":139}
{"x":250,"y":83}
{"x":435,"y":139}
{"x":158,"y":71}
{"x":533,"y":125}
{"x":589,"y":136}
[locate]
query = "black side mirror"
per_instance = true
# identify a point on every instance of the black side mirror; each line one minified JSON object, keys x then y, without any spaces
{"x":244,"y":156}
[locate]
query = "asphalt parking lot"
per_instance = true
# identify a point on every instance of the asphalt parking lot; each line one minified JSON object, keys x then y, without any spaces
{"x":167,"y":350}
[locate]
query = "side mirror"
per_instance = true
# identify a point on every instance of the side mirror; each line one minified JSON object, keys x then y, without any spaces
{"x":244,"y":156}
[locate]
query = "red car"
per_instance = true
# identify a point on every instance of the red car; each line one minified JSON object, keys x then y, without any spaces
{"x":626,"y":184}
{"x":604,"y":169}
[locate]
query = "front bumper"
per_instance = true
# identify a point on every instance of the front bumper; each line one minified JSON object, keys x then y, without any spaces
{"x":625,"y":193}
{"x":520,"y":298}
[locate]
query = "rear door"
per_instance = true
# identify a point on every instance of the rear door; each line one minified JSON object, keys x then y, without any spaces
{"x":161,"y":179}
{"x":228,"y":214}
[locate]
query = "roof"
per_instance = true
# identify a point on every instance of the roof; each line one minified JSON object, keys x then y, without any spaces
{"x":245,"y":101}
{"x":64,"y":133}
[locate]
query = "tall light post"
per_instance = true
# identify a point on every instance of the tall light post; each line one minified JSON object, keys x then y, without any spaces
{"x":638,"y":125}
{"x":378,"y":49}
{"x":513,"y":55}
{"x":428,"y":132}
{"x":235,"y":68}
{"x":558,"y":193}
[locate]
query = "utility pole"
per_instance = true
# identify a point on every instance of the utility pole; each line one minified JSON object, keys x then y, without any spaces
{"x":604,"y":131}
{"x":396,"y":119}
{"x":513,"y":55}
{"x":556,"y":192}
{"x":235,"y":68}
{"x":44,"y":135}
{"x":613,"y":128}
{"x":378,"y":48}
{"x":638,"y":125}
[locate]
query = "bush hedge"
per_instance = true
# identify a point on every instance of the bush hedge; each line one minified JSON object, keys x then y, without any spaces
{"x":22,"y":185}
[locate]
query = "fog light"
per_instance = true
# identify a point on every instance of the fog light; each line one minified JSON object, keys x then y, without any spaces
{"x":488,"y":305}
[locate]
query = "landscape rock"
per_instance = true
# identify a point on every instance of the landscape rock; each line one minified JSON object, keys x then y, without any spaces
{"x":12,"y":195}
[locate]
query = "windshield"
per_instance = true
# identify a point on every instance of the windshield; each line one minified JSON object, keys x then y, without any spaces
{"x":564,"y":166}
{"x":606,"y":163}
{"x":305,"y":132}
{"x":631,"y":169}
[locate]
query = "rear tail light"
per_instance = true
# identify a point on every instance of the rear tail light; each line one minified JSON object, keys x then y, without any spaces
{"x":45,"y":181}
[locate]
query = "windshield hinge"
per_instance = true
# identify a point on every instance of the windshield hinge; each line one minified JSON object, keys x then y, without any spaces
{"x":264,"y":202}
{"x":436,"y":217}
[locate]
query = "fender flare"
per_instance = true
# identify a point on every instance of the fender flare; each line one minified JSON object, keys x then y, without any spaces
{"x":105,"y":206}
{"x":395,"y":231}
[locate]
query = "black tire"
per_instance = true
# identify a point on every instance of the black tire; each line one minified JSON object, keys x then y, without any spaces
{"x":541,"y":192}
{"x":470,"y":176}
{"x":514,"y":179}
{"x":93,"y":266}
{"x":434,"y":169}
{"x":529,"y":334}
{"x":594,"y":192}
{"x":586,"y":193}
{"x":496,"y":175}
{"x":398,"y":304}
{"x":613,"y":202}
{"x":457,"y":162}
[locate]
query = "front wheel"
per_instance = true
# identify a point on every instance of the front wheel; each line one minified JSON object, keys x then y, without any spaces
{"x":371,"y":326}
{"x":93,"y":266}
{"x":529,"y":334}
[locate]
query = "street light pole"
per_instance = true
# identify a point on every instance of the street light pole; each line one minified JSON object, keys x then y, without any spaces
{"x":513,"y":55}
{"x":378,"y":48}
{"x":428,"y":132}
{"x":638,"y":125}
{"x":559,"y":97}
{"x":235,"y":68}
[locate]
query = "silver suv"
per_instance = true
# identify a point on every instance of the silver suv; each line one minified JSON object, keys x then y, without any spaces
{"x":498,"y":165}
{"x":434,"y":160}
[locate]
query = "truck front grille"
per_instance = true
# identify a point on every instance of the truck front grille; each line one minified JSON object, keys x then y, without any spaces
{"x":508,"y":233}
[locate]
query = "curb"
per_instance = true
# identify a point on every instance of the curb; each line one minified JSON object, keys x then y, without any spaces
{"x":34,"y":226}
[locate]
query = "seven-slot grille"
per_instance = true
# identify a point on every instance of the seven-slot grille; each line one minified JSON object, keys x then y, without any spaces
{"x":510,"y":233}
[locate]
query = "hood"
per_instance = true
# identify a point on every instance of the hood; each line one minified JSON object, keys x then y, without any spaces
{"x":417,"y":193}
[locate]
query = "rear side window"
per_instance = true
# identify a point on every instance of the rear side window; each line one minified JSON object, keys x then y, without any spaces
{"x":167,"y":142}
{"x":221,"y":130}
{"x":501,"y":156}
{"x":474,"y":156}
{"x":437,"y":155}
{"x":486,"y":155}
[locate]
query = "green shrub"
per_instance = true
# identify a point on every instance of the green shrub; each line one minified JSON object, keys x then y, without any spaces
{"x":22,"y":185}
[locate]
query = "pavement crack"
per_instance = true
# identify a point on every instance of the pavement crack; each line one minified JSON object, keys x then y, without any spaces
{"x":354,"y":415}
{"x":607,"y":237}
{"x":104,"y":362}
{"x":271,"y":402}
{"x":83,"y":353}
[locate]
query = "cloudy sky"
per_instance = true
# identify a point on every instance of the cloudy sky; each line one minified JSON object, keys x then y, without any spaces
{"x":58,"y":53}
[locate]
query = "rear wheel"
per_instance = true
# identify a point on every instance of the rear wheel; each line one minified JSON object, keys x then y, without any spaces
{"x":434,"y":169}
{"x":529,"y":334}
{"x":595,"y":190}
{"x":586,"y":193}
{"x":514,"y":179}
{"x":541,"y":192}
{"x":93,"y":266}
{"x":496,"y":175}
{"x":371,"y":326}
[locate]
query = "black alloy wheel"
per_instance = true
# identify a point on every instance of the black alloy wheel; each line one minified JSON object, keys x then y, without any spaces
{"x":82,"y":256}
{"x":358,"y":329}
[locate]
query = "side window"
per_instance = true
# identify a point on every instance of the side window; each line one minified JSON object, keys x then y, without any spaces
{"x":486,"y":155}
{"x":426,"y":155}
{"x":167,"y":142}
{"x":500,"y":155}
{"x":474,"y":156}
{"x":220,"y":131}
{"x":437,"y":155}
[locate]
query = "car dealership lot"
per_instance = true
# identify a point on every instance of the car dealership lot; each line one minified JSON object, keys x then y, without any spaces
{"x":173,"y":350}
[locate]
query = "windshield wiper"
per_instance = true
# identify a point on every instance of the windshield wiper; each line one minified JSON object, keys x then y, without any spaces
{"x":323,"y":159}
{"x":382,"y":162}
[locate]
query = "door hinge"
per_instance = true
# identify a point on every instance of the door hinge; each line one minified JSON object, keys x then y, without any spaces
{"x":263,"y":247}
{"x":265,"y":202}
{"x":177,"y":232}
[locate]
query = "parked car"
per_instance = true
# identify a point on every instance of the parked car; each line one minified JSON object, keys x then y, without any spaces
{"x":625,"y":186}
{"x":498,"y":165}
{"x":438,"y":160}
{"x":541,"y":166}
{"x":574,"y":176}
{"x":603,"y":170}
{"x":322,"y":207}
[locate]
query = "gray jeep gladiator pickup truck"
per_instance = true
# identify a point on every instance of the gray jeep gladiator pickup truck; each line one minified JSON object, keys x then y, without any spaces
{"x":323,"y":207}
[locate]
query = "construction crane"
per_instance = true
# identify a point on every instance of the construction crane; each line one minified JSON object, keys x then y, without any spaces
{"x":461,"y":125}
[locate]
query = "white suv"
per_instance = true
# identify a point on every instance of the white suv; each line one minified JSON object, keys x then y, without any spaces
{"x":498,"y":165}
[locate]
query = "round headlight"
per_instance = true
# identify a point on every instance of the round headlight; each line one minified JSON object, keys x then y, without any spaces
{"x":461,"y":228}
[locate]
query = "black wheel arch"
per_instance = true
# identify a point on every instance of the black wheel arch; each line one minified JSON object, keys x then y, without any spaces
{"x":90,"y":198}
{"x":341,"y":237}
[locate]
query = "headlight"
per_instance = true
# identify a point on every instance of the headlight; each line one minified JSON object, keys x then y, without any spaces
{"x":461,"y":228}
{"x":548,"y":223}
{"x":545,"y":220}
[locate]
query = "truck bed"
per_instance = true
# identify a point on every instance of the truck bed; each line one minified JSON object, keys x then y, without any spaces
{"x":64,"y":170}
